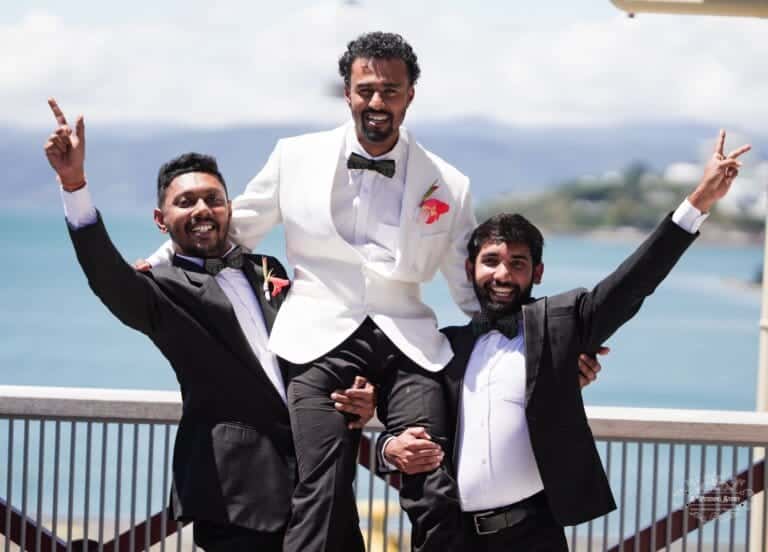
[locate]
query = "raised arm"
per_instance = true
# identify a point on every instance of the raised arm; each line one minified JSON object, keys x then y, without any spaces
{"x":132,"y":297}
{"x":619,"y":296}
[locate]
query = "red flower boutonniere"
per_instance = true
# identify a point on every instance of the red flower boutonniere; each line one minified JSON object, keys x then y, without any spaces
{"x":277,"y":283}
{"x":432,"y":209}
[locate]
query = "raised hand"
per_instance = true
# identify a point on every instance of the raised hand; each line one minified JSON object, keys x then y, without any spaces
{"x":719,"y":173}
{"x":65,"y":150}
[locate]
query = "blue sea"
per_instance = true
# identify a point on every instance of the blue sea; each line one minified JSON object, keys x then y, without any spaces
{"x":693,"y":345}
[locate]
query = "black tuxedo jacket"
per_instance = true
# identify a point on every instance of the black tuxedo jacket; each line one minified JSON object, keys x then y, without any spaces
{"x":557,"y":329}
{"x":233,"y":460}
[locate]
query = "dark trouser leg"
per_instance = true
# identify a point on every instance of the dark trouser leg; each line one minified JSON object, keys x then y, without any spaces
{"x":414,"y":397}
{"x":324,"y":511}
{"x":214,"y":537}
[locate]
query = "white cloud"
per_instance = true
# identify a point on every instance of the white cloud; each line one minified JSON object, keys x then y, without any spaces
{"x":238,"y":63}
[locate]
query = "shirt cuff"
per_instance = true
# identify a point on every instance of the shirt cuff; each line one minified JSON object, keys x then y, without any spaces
{"x":384,"y":465}
{"x":78,"y":207}
{"x":688,"y":217}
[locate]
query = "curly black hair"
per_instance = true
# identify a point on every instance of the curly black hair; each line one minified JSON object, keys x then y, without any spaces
{"x":506,"y":228}
{"x":379,"y":45}
{"x":183,"y":164}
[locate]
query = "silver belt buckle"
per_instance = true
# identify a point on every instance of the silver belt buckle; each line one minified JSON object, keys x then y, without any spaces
{"x":476,"y":518}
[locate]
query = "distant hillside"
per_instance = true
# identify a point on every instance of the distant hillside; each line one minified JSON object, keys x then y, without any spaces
{"x":635,"y":199}
{"x":499,"y":159}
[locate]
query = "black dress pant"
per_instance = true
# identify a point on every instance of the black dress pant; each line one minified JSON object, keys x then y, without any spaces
{"x":324,"y":512}
{"x":216,"y":537}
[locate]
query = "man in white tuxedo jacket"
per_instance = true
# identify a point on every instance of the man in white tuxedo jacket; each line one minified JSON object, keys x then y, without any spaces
{"x":361,"y":240}
{"x":369,"y":215}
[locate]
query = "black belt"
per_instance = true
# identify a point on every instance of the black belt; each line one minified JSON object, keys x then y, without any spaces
{"x":493,"y":521}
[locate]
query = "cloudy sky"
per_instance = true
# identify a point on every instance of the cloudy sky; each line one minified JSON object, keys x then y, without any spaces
{"x":569,"y":62}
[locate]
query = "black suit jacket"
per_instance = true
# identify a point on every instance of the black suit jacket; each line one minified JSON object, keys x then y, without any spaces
{"x":233,"y":460}
{"x":557,"y":329}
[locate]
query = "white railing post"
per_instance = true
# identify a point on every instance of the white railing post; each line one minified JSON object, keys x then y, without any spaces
{"x":757,"y":537}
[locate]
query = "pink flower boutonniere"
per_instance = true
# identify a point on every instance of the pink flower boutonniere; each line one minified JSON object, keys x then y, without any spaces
{"x":277,"y":283}
{"x":432,"y":209}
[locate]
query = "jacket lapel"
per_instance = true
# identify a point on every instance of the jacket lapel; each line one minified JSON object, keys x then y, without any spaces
{"x":331,"y":168}
{"x":255,"y":276}
{"x":218,"y":316}
{"x":533,"y":322}
{"x":420,"y":174}
{"x":462,"y":343}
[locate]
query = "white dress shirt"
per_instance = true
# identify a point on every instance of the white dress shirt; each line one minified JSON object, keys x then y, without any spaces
{"x":495,"y":462}
{"x":80,"y":211}
{"x":496,"y":466}
{"x":366,"y":206}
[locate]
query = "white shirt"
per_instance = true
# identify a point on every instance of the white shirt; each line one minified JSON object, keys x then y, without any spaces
{"x":501,"y":468}
{"x":366,"y":207}
{"x":495,"y":462}
{"x":80,"y":211}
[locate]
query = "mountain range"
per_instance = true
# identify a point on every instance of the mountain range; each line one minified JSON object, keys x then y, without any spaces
{"x":122,"y":161}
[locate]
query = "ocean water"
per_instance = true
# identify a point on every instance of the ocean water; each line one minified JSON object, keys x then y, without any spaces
{"x":693,"y":345}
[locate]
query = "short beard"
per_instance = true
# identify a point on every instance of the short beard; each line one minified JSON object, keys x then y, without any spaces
{"x":374,"y":135}
{"x":377,"y":136}
{"x":500,"y":310}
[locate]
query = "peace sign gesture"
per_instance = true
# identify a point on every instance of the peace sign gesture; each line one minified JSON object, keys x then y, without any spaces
{"x":719,"y":173}
{"x":66,"y":151}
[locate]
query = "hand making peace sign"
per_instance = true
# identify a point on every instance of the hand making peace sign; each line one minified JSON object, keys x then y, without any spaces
{"x":719,"y":173}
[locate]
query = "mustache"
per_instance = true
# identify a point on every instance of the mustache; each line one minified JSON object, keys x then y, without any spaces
{"x":500,"y":285}
{"x":369,"y":111}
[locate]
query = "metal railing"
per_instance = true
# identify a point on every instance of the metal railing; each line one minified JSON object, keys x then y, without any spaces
{"x":88,"y":469}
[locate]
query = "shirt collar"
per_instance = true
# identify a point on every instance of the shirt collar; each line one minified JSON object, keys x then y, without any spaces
{"x":199,"y":261}
{"x":501,"y":337}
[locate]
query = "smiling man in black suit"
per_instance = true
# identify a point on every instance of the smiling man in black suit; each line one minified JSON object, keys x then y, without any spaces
{"x":209,"y":312}
{"x":524,"y":456}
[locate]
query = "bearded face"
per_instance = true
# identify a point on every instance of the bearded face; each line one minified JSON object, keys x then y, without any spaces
{"x":503,"y":276}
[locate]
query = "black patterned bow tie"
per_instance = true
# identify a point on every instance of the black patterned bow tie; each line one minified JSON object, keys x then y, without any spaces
{"x":382,"y":166}
{"x":507,"y":325}
{"x":233,"y":259}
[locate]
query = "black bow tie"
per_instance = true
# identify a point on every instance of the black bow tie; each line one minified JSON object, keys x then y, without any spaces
{"x":507,"y":325}
{"x":233,"y":259}
{"x":382,"y":166}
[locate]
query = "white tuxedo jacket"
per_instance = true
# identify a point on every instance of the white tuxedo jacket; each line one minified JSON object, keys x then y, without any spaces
{"x":335,"y":287}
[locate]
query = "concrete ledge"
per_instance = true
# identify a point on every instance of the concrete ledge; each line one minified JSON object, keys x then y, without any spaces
{"x":670,"y":425}
{"x":90,"y":404}
{"x":164,"y":407}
